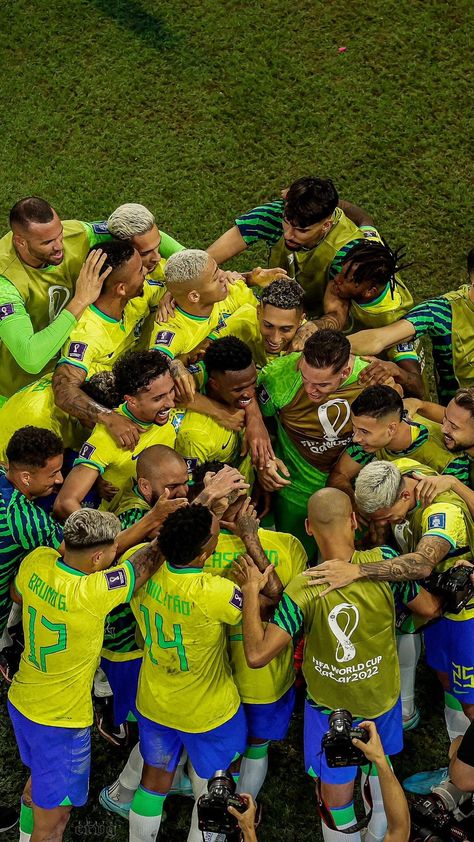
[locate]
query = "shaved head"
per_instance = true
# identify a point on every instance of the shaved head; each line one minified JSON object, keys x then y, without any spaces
{"x":157,"y":460}
{"x":328,"y":506}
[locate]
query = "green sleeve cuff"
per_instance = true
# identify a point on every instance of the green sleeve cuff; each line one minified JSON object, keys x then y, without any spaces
{"x":133,"y":579}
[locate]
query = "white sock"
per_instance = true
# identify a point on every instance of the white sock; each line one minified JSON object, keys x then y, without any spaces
{"x":456,"y":720}
{"x":253,"y":769}
{"x":409,"y":649}
{"x":102,"y":688}
{"x":24,"y":837}
{"x":377,"y":826}
{"x":343,"y":817}
{"x":144,"y":827}
{"x":199,"y":788}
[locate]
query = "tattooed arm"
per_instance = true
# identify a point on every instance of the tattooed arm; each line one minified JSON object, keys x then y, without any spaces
{"x":146,"y":561}
{"x":68,"y":395}
{"x":337,"y":573}
{"x":245,"y":526}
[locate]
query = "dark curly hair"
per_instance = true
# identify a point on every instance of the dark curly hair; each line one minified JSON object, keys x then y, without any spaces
{"x":33,"y":446}
{"x":286,"y":295}
{"x":327,"y":349}
{"x":135,"y":371}
{"x":310,"y":200}
{"x":227,"y":354}
{"x":378,"y":402}
{"x":184,"y":534}
{"x":118,"y":252}
{"x":101,"y":388}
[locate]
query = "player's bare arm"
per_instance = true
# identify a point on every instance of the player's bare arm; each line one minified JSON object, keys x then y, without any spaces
{"x":245,"y":527}
{"x":145,"y":562}
{"x":68,"y":395}
{"x":344,"y":472}
{"x":89,"y":282}
{"x":150,"y":524}
{"x":406,"y":373}
{"x":261,"y":643}
{"x":77,"y":484}
{"x":228,"y":245}
{"x":337,"y":573}
{"x":358,"y":215}
{"x":377,"y":339}
{"x":257,"y":437}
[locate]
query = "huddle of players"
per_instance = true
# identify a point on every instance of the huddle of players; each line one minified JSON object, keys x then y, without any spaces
{"x":169,"y":365}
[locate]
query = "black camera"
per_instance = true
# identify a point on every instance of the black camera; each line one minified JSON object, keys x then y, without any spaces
{"x":454,"y":585}
{"x":212,"y":807}
{"x":432,"y":821}
{"x":337,"y":742}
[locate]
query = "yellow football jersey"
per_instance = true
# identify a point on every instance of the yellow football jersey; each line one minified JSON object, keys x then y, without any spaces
{"x":63,"y":619}
{"x":98,"y":341}
{"x":185,"y":679}
{"x":183,"y":333}
{"x":116,"y":465}
{"x":35,"y":404}
{"x":266,"y":684}
{"x":202,"y":439}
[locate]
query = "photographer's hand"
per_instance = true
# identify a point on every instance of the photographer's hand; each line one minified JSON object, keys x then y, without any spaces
{"x":246,"y":820}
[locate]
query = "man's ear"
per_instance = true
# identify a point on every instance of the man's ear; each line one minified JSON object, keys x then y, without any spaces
{"x":129,"y":399}
{"x":144,"y":488}
{"x":392,"y":427}
{"x":405,"y":495}
{"x":96,"y":558}
{"x":19,"y":240}
{"x":303,"y":317}
{"x":25,"y":478}
{"x":121,"y":289}
{"x":370,"y":293}
{"x":307,"y":527}
{"x":194,"y":296}
{"x":354,"y":523}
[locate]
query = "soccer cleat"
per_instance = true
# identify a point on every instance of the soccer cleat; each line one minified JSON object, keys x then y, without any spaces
{"x":8,"y":818}
{"x":112,"y":806}
{"x":117,"y":735}
{"x":423,"y":782}
{"x":412,"y":721}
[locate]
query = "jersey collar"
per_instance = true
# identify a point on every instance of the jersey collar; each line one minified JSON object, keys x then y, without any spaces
{"x":183,"y":570}
{"x":72,"y":570}
{"x":124,"y":408}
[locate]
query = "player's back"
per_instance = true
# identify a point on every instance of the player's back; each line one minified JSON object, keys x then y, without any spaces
{"x":63,"y":617}
{"x":185,"y":680}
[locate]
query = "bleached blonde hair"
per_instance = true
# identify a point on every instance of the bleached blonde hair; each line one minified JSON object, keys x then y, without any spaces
{"x":184,"y":267}
{"x":90,"y":528}
{"x":130,"y":220}
{"x":378,"y":486}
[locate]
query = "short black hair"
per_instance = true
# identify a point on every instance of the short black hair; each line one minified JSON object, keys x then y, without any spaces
{"x":184,"y":534}
{"x":470,"y":262}
{"x":310,"y":200}
{"x":102,"y":389}
{"x":378,"y":402}
{"x":286,"y":295}
{"x":118,"y":253}
{"x":375,"y":262}
{"x":227,"y":354}
{"x":33,"y":447}
{"x":327,"y":349}
{"x":31,"y":209}
{"x":135,"y":371}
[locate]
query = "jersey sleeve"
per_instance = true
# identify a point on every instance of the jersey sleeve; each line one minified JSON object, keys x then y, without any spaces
{"x":167,"y":340}
{"x":358,"y":454}
{"x":402,"y":351}
{"x":299,"y":558}
{"x":288,"y":615}
{"x":97,"y":232}
{"x":404,"y":592}
{"x":107,"y":589}
{"x":32,"y":351}
{"x":445,"y":520}
{"x":31,"y":527}
{"x":80,"y":351}
{"x":277,"y":384}
{"x":239,"y":295}
{"x":432,"y":318}
{"x":169,"y":246}
{"x":223,"y":600}
{"x":94,"y":452}
{"x":459,"y":467}
{"x":264,"y":222}
{"x":130,"y":517}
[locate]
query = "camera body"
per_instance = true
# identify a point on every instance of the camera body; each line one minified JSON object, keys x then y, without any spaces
{"x":454,"y":585}
{"x":212,"y":807}
{"x":337,"y":742}
{"x":434,"y":820}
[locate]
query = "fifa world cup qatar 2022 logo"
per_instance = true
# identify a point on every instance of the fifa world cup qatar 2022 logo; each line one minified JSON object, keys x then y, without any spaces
{"x":343,"y":620}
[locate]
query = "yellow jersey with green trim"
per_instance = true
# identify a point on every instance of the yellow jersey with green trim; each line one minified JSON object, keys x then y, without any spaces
{"x":185,"y":679}
{"x":35,"y":403}
{"x":183,"y":333}
{"x":63,"y":616}
{"x":202,"y":439}
{"x":98,"y":341}
{"x":446,"y":517}
{"x":117,"y":465}
{"x":269,"y":683}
